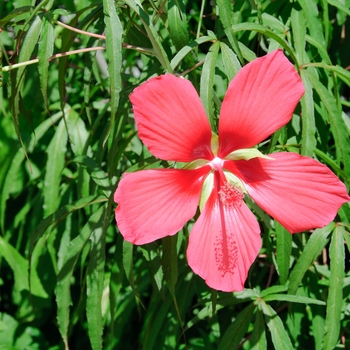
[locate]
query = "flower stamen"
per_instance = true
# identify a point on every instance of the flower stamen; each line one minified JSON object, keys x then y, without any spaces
{"x":230,"y":195}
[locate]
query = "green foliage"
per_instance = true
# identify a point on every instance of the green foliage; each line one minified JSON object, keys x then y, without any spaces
{"x":68,"y":280}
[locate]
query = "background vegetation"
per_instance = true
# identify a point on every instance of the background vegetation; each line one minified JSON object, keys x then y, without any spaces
{"x":67,"y":134}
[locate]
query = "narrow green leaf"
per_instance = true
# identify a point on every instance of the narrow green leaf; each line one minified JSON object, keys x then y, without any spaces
{"x":274,"y":23}
{"x":317,"y":241}
{"x":18,"y":160}
{"x":273,"y":290}
{"x":159,"y":320}
{"x":56,"y":153}
{"x":237,"y":298}
{"x":283,"y":251}
{"x":115,"y":284}
{"x":114,"y":32}
{"x":128,"y":264}
{"x":60,"y":215}
{"x":27,"y":47}
{"x":15,"y":13}
{"x":293,"y":299}
{"x":346,"y":235}
{"x":238,"y":328}
{"x":338,"y":126}
{"x":151,"y":254}
{"x":326,"y":21}
{"x":321,"y":48}
{"x":152,"y":34}
{"x":257,"y":340}
{"x":335,"y":292}
{"x":340,"y":5}
{"x":207,"y":82}
{"x":39,"y":8}
{"x":280,"y":337}
{"x":188,"y":48}
{"x":226,"y":18}
{"x":299,"y":31}
{"x":169,"y":262}
{"x":78,"y":133}
{"x":94,"y":284}
{"x":308,"y":140}
{"x":340,"y":72}
{"x":97,"y":174}
{"x":177,"y":23}
{"x":20,"y":267}
{"x":318,"y":328}
{"x":46,"y":46}
{"x":73,"y":251}
{"x":254,"y":27}
{"x":313,"y":22}
{"x":230,"y":61}
{"x":331,"y":163}
{"x":247,"y":53}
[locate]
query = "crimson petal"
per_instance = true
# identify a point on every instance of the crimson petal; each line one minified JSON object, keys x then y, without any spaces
{"x":260,"y":99}
{"x":156,"y":203}
{"x":223,"y":244}
{"x":171,"y":119}
{"x":298,"y":191}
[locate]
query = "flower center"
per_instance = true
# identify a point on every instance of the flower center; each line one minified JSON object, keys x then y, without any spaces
{"x":230,"y":195}
{"x":216,"y":163}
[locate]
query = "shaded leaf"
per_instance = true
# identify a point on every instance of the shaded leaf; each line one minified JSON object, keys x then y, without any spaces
{"x":335,"y":292}
{"x":56,"y":153}
{"x":338,"y":126}
{"x":20,"y":267}
{"x":237,"y":329}
{"x":257,"y":340}
{"x":177,"y":23}
{"x":283,"y":251}
{"x":280,"y":337}
{"x":317,"y":241}
{"x":46,"y":46}
{"x":95,"y":283}
{"x":169,"y":262}
{"x":114,"y":32}
{"x":72,"y":254}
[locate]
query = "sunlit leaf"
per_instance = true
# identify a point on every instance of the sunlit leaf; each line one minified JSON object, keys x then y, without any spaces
{"x":279,"y":335}
{"x":207,"y":81}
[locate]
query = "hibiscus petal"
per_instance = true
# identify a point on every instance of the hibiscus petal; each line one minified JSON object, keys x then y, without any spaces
{"x":171,"y":119}
{"x":260,"y":99}
{"x":156,"y":203}
{"x":223,"y":244}
{"x":299,"y":192}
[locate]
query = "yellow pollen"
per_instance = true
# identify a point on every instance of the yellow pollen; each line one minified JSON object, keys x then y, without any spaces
{"x":230,"y":195}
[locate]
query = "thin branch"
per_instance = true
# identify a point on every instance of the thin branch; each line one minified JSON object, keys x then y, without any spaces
{"x":58,"y":55}
{"x":81,"y":31}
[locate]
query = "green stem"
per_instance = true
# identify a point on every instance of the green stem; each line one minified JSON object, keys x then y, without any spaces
{"x":144,"y":50}
{"x":81,"y":31}
{"x":200,"y":19}
{"x":36,"y":60}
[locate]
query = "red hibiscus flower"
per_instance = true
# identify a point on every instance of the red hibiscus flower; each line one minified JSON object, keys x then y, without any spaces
{"x":299,"y":192}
